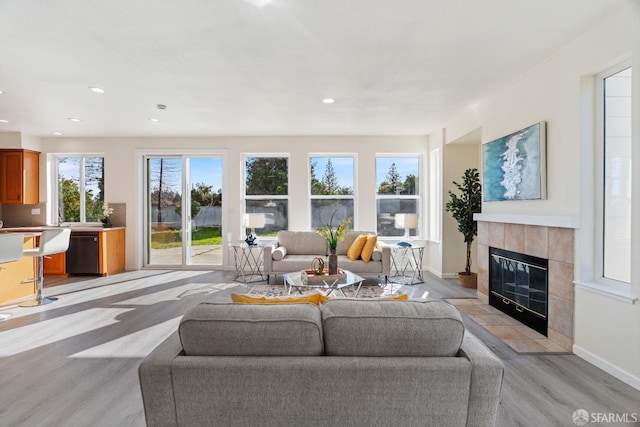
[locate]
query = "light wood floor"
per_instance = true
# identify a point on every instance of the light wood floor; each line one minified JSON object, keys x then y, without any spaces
{"x":74,"y":362}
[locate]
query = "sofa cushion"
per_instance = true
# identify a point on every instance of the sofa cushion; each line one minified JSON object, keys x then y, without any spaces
{"x":391,"y":328}
{"x":302,"y":242}
{"x":356,"y":247}
{"x":230,"y":329}
{"x":279,"y":253}
{"x":376,"y":255}
{"x":369,"y":246}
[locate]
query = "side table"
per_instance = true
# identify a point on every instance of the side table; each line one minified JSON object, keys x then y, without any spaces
{"x":248,"y":262}
{"x":406,"y":264}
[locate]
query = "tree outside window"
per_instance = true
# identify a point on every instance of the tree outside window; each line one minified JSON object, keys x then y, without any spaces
{"x":331,"y":188}
{"x":397,"y":191}
{"x":80,"y":188}
{"x":267,"y":191}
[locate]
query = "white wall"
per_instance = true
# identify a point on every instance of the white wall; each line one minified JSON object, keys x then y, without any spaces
{"x":606,"y":328}
{"x":122,"y":184}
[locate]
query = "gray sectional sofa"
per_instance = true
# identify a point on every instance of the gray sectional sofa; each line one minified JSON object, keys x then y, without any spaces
{"x":346,"y":363}
{"x":294,"y":251}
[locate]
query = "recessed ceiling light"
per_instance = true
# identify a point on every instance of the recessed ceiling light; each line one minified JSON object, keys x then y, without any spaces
{"x":57,"y":133}
{"x":73,"y":119}
{"x":96,"y":89}
{"x":328,"y":101}
{"x":4,"y":121}
{"x":154,"y":120}
{"x":1,"y":92}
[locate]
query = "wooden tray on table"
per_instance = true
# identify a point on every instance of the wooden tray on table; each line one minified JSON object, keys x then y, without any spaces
{"x":312,"y":278}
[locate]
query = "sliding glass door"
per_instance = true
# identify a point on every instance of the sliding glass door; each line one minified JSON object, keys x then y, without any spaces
{"x":183,"y":212}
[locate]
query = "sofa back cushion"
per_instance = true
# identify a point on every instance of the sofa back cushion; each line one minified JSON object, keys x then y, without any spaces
{"x":391,"y":328}
{"x":349,"y":238}
{"x":228,"y":329}
{"x":303,"y":242}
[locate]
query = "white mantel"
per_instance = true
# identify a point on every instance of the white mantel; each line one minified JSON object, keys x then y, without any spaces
{"x":545,"y":221}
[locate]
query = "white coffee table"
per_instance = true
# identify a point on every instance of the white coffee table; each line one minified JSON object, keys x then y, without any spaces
{"x":331,"y":285}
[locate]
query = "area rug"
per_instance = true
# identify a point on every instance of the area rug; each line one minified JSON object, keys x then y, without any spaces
{"x":366,"y":291}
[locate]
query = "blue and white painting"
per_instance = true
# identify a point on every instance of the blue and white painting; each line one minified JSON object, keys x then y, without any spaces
{"x":514,"y":166}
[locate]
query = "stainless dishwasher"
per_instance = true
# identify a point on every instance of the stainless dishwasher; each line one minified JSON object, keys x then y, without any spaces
{"x":83,"y":253}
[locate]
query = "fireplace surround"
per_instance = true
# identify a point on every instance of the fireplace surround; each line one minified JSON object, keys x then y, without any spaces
{"x":530,"y":236}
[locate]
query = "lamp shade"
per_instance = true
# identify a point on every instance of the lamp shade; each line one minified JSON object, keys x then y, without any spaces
{"x":406,"y":220}
{"x":254,"y":220}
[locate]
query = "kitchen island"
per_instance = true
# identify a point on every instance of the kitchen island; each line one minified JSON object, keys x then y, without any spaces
{"x":92,"y":251}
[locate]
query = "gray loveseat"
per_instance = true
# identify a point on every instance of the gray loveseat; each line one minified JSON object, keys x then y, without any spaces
{"x":346,"y":363}
{"x":294,"y":251}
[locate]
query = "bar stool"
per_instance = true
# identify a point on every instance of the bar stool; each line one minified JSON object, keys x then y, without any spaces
{"x":51,"y":242}
{"x":11,"y":245}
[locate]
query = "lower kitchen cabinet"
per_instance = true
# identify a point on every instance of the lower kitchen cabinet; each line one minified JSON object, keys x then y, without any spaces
{"x":98,"y":252}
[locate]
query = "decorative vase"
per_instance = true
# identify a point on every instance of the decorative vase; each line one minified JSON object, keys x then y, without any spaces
{"x":333,"y":262}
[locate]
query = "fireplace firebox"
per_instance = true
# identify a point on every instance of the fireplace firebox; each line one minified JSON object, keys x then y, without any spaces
{"x":518,"y":286}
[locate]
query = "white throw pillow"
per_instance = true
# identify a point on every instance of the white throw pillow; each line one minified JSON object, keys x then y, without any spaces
{"x":279,"y":253}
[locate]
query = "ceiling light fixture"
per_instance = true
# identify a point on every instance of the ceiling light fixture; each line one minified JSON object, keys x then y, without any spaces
{"x":57,"y":133}
{"x":1,"y":92}
{"x":96,"y":89}
{"x":73,"y":119}
{"x":4,"y":121}
{"x":328,"y":101}
{"x":154,"y":120}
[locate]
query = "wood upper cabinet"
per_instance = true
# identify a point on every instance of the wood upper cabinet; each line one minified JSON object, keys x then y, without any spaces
{"x":19,"y":177}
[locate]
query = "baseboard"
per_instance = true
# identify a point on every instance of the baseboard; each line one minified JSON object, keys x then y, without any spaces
{"x":608,"y":367}
{"x":440,"y":274}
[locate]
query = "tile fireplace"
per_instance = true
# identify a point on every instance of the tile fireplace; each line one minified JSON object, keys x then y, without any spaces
{"x":551,"y":243}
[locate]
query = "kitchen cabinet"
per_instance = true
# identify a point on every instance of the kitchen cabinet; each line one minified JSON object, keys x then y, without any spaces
{"x":55,"y":265}
{"x":17,"y":279}
{"x":19,"y":177}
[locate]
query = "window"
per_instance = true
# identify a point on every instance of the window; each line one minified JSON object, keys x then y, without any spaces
{"x":397,"y":191}
{"x":80,"y":181}
{"x":615,"y":167}
{"x":331,"y":189}
{"x":434,"y":195}
{"x":267,"y":192}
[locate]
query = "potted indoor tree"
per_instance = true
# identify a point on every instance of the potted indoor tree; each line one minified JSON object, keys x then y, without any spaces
{"x":462,"y":208}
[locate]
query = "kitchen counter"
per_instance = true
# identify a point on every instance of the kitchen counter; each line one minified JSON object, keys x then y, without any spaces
{"x":41,"y":228}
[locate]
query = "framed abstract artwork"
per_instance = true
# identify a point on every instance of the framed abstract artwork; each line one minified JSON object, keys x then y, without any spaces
{"x":514,"y":166}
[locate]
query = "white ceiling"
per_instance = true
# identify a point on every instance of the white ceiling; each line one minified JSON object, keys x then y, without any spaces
{"x":231,"y":67}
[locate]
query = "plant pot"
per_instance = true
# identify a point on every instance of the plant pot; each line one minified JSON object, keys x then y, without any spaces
{"x":468,"y":281}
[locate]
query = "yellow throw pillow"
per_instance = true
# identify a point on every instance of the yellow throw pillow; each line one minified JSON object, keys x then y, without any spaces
{"x":399,"y":297}
{"x":369,"y":246}
{"x":356,"y":247}
{"x":248,"y":299}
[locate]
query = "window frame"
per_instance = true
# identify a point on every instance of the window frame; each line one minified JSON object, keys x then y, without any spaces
{"x":600,"y":178}
{"x":353,"y":196}
{"x":419,"y":197}
{"x":55,"y":187}
{"x":245,"y":197}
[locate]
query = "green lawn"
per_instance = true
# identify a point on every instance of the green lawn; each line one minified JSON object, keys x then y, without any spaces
{"x":171,"y":238}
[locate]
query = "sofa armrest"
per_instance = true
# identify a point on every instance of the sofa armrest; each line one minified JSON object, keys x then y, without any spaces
{"x":486,"y":381}
{"x":156,"y":384}
{"x":386,"y":257}
{"x":267,"y":257}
